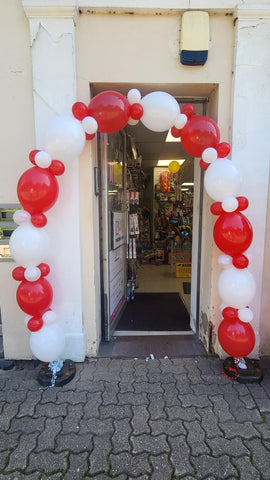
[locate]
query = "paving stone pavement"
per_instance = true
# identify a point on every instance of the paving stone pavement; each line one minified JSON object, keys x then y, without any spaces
{"x":134,"y":419}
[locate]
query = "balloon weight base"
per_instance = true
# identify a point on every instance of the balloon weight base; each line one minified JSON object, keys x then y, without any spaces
{"x":252,"y":374}
{"x":6,"y":364}
{"x":65,"y":375}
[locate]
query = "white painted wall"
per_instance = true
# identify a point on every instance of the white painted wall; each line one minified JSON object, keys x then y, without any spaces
{"x":250,"y":137}
{"x":17,"y":125}
{"x":264,"y":319}
{"x":163,"y":6}
{"x":17,"y":137}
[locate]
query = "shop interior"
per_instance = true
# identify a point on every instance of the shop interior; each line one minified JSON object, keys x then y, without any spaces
{"x":151,"y":294}
{"x":159,"y":250}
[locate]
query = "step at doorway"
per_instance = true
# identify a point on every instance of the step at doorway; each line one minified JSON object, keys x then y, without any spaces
{"x":170,"y":346}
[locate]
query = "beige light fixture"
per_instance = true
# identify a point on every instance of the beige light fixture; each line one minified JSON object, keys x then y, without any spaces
{"x":165,"y":163}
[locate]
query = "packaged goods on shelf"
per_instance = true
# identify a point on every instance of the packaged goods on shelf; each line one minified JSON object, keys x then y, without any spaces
{"x":183,"y":270}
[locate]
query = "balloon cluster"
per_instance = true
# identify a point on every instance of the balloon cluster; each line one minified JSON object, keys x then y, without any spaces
{"x":38,"y":190}
{"x":233,"y":235}
{"x":109,"y":112}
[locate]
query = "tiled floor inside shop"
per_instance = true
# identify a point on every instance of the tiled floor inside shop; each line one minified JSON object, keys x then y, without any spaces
{"x":155,"y":278}
{"x":161,"y":278}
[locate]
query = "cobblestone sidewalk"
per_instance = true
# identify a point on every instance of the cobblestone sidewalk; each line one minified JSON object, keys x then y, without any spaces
{"x":126,"y":419}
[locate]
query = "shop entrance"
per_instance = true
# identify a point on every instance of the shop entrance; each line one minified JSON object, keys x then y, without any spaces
{"x":150,"y":233}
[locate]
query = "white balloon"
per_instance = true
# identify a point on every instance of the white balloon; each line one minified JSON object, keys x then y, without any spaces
{"x":49,"y":317}
{"x":132,"y":121}
{"x":230,"y":204}
{"x":29,"y":246}
{"x":134,"y":96}
{"x":48,"y":343}
{"x":236,"y":287}
{"x":180,"y":121}
{"x":89,"y":125}
{"x":222,"y":179}
{"x":224,"y":261}
{"x":245,"y":315}
{"x":209,"y":155}
{"x":43,"y":159}
{"x":21,"y":216}
{"x":64,"y":138}
{"x":32,"y":274}
{"x":160,"y":110}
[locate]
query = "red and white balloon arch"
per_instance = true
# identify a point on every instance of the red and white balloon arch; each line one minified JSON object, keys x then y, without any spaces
{"x":109,"y":112}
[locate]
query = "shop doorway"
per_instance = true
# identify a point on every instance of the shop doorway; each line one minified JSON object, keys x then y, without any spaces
{"x":150,"y":230}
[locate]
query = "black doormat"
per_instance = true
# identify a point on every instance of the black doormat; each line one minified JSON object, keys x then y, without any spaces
{"x":187,"y":288}
{"x":155,"y":311}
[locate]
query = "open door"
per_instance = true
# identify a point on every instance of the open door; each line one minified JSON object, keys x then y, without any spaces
{"x":113,"y":221}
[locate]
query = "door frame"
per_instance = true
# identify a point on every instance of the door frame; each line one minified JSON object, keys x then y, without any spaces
{"x":108,"y":327}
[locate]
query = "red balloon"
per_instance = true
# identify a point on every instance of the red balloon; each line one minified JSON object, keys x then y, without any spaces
{"x":188,"y":109}
{"x":198,"y":134}
{"x":176,"y":132}
{"x":240,"y":261}
{"x":89,"y":136}
{"x":243,"y":203}
{"x":79,"y":110}
{"x":236,"y":338}
{"x":204,"y":165}
{"x":32,"y":155}
{"x":34,"y":324}
{"x":39,"y":220}
{"x":233,"y":233}
{"x":136,"y":111}
{"x":37,"y":190}
{"x":111,"y":110}
{"x":216,"y":208}
{"x":18,"y":273}
{"x":44,"y":268}
{"x":223,"y":149}
{"x":230,"y":313}
{"x":34,"y":298}
{"x":57,"y":167}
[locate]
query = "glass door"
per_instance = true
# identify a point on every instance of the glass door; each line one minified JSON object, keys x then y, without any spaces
{"x":113,"y":233}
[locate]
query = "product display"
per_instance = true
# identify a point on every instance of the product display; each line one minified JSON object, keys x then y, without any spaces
{"x":173,"y":217}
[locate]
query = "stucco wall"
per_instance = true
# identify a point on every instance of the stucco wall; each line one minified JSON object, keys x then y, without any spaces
{"x":265,"y":311}
{"x":16,"y":97}
{"x":145,"y":48}
{"x":17,"y":139}
{"x":250,"y":142}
